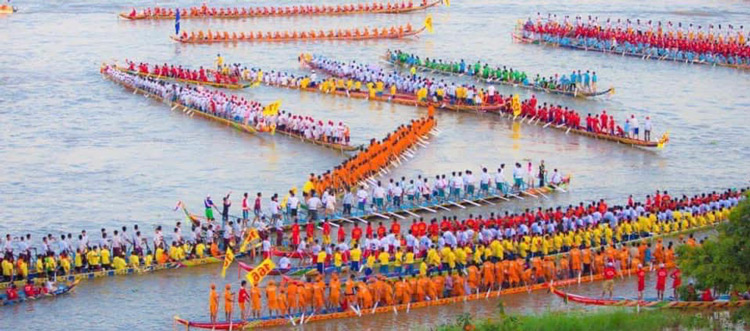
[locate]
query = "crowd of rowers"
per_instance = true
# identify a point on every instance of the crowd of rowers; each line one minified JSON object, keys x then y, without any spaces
{"x":440,"y":264}
{"x":529,"y":236}
{"x":228,"y":74}
{"x":577,"y":82}
{"x":374,"y":197}
{"x":376,"y":156}
{"x":722,"y":44}
{"x":355,"y":76}
{"x":205,"y":11}
{"x":392,"y":32}
{"x":237,"y":109}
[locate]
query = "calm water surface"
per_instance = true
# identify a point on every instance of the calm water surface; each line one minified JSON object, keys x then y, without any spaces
{"x":80,"y":153}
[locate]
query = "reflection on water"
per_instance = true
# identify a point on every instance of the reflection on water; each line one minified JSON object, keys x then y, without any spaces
{"x":78,"y":152}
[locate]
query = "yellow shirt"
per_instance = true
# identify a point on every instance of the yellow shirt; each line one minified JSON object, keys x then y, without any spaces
{"x":39,"y":266}
{"x":119,"y":263}
{"x":135,"y":262}
{"x":105,"y":256}
{"x":384,"y":258}
{"x":79,"y":260}
{"x":24,"y":268}
{"x":322,"y":256}
{"x":371,"y":261}
{"x":147,"y":260}
{"x":409,"y":258}
{"x":423,"y":269}
{"x":399,"y":257}
{"x":7,"y":268}
{"x":337,"y":259}
{"x":200,"y":250}
{"x":356,"y":254}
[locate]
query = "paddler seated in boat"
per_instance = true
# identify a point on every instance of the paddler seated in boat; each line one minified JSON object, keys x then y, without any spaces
{"x":400,"y":30}
{"x":384,"y":31}
{"x":295,"y":35}
{"x":184,"y":36}
{"x":234,"y":36}
{"x":303,"y":35}
{"x":286,"y":35}
{"x":330,"y":34}
{"x":241,"y":36}
{"x":347,"y":33}
{"x":225,"y":36}
{"x":133,"y":13}
{"x":321,"y":34}
{"x":366,"y":32}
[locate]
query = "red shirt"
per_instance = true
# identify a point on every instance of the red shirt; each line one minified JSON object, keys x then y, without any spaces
{"x":422,"y":229}
{"x":661,"y":278}
{"x":326,"y":228}
{"x":609,"y":273}
{"x":677,"y":277}
{"x":310,"y":229}
{"x":369,"y":230}
{"x":395,"y":228}
{"x":356,"y":233}
{"x":641,"y":279}
{"x":434,"y":230}
{"x":381,"y":231}
{"x":243,"y":296}
{"x":341,"y":234}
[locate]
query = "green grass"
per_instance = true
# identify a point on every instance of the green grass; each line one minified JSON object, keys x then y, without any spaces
{"x":605,"y":320}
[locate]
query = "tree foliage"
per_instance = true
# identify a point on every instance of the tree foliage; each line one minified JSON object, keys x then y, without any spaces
{"x":722,"y":263}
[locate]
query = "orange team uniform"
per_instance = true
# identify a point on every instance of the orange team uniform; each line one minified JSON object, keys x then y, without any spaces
{"x":334,"y":296}
{"x":318,"y":290}
{"x":488,"y":271}
{"x":291,"y":296}
{"x":499,"y":273}
{"x":271,"y":296}
{"x":255,"y":298}
{"x":213,"y":302}
{"x":228,"y":301}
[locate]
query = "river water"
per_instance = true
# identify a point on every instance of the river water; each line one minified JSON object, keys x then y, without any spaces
{"x":78,"y":152}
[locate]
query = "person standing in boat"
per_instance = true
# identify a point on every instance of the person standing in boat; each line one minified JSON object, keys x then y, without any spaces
{"x":209,"y":208}
{"x":226,"y":203}
{"x":647,"y":127}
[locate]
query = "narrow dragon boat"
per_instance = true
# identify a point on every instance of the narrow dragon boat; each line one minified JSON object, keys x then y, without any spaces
{"x":230,"y":86}
{"x":61,"y":290}
{"x":297,"y":10}
{"x":649,"y":303}
{"x":259,"y":36}
{"x":236,"y":125}
{"x":578,"y":94}
{"x":273,"y":322}
{"x":497,"y":109}
{"x":518,"y":36}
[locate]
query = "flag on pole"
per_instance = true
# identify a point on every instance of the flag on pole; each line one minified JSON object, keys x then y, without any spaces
{"x":428,"y":24}
{"x":250,"y":236}
{"x":272,"y":108}
{"x":261,"y":271}
{"x":177,"y":22}
{"x":228,"y":258}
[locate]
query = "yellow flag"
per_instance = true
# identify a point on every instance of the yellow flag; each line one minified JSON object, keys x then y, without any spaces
{"x":256,"y":275}
{"x":272,"y":108}
{"x":413,"y":70}
{"x":428,"y":24}
{"x":250,"y":236}
{"x":516,"y":105}
{"x":228,"y":258}
{"x":447,"y":3}
{"x":663,"y":140}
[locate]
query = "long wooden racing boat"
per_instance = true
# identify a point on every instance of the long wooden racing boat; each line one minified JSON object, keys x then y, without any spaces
{"x":491,"y":81}
{"x":234,"y":38}
{"x":518,"y":36}
{"x":649,"y":303}
{"x":272,"y":322}
{"x":236,"y":125}
{"x":230,"y":86}
{"x":410,"y":100}
{"x":309,"y":10}
{"x":62,"y":290}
